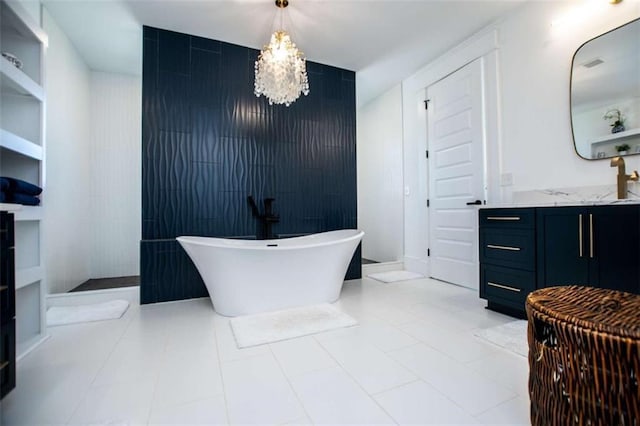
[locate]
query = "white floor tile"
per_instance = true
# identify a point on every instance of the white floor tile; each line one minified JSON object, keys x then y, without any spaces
{"x":258,"y":392}
{"x":299,"y":356}
{"x":332,"y":397}
{"x":174,"y":363}
{"x":509,"y":369}
{"x":209,"y":411}
{"x":123,"y":403}
{"x":513,"y":412}
{"x":465,"y":387}
{"x":460,"y":345}
{"x":46,"y":394}
{"x":368,"y":365}
{"x":420,"y":404}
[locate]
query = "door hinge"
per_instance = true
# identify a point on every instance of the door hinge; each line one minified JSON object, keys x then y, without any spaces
{"x":427,"y":153}
{"x":428,"y":252}
{"x":426,"y":103}
{"x":428,"y":202}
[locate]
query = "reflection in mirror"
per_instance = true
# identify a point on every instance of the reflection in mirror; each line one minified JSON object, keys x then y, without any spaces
{"x":605,"y":94}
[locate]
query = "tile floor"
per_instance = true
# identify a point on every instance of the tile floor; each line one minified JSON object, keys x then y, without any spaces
{"x":412,"y":360}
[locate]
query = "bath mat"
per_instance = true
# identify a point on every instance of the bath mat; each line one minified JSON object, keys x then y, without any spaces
{"x":269,"y":327}
{"x":393,"y":276}
{"x":62,"y":315}
{"x":511,"y":336}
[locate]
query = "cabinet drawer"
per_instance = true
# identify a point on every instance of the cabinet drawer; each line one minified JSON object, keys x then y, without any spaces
{"x":505,"y":285}
{"x":7,"y":357}
{"x":514,"y":248}
{"x":508,"y":218}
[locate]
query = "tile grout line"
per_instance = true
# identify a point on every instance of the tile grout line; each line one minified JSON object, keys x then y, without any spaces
{"x":293,"y":389}
{"x":224,"y":389}
{"x":77,"y":405}
{"x":357,"y":383}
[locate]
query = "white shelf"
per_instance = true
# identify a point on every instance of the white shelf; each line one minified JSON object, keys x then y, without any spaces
{"x":616,"y":137}
{"x":28,"y":276}
{"x":20,"y":145}
{"x":23,"y":23}
{"x":28,"y":213}
{"x":16,"y":82}
{"x":9,"y":207}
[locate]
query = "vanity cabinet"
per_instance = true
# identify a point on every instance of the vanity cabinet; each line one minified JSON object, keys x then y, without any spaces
{"x":596,"y":246}
{"x":522,"y":249}
{"x":7,"y":305}
{"x":507,"y":257}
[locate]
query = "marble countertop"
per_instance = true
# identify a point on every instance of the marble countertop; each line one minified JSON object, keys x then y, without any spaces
{"x":563,"y":204}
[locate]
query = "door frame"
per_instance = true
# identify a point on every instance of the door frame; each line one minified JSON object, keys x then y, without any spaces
{"x":483,"y":45}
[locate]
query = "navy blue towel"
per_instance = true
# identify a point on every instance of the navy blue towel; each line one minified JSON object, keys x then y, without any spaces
{"x":2,"y":197}
{"x":16,"y":198}
{"x":4,"y":183}
{"x":19,"y":186}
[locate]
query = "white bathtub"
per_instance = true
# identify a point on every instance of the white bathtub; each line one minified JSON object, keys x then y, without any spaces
{"x":249,"y":276}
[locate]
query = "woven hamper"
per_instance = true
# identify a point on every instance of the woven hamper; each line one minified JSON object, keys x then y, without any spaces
{"x":584,"y":356}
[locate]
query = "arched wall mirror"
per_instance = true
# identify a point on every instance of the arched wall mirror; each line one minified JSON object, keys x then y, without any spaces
{"x":605,"y":94}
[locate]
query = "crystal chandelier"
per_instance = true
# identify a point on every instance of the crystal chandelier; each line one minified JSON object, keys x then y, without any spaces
{"x":281,"y":71}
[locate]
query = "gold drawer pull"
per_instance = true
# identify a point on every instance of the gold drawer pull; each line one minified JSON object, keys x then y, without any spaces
{"x":503,"y":217}
{"x":3,"y":365}
{"x":504,"y":287}
{"x":493,"y":246}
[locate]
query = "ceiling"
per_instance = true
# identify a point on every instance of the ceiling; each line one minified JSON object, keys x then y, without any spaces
{"x":384,"y":41}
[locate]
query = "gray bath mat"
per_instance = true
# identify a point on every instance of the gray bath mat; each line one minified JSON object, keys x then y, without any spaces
{"x":269,"y":327}
{"x":393,"y":276}
{"x":511,"y":336}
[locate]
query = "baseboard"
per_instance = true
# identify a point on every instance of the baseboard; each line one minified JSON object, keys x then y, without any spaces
{"x":374,"y":268}
{"x":130,"y":294}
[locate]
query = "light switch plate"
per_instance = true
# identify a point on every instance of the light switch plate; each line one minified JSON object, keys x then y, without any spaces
{"x":506,"y":179}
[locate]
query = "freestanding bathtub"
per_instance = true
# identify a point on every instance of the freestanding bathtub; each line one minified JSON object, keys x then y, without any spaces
{"x":249,"y":276}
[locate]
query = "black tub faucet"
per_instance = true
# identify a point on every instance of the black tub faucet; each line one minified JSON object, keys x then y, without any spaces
{"x":267,"y":219}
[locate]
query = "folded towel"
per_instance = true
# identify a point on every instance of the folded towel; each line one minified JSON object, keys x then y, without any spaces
{"x":2,"y":197}
{"x":19,"y":186}
{"x":4,"y":183}
{"x":17,"y":198}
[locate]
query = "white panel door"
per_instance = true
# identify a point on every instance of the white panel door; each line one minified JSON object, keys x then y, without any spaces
{"x":456,"y":174}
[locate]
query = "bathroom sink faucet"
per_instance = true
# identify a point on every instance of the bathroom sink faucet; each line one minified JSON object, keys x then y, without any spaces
{"x":623,"y":177}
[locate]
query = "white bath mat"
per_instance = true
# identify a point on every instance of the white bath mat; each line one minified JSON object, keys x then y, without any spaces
{"x":62,"y":315}
{"x":393,"y":276}
{"x":269,"y":327}
{"x":512,"y":336}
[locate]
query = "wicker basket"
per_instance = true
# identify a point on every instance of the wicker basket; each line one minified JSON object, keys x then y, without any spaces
{"x":584,"y":356}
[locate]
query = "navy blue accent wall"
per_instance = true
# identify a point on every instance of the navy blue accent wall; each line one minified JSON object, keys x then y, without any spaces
{"x":208,"y":143}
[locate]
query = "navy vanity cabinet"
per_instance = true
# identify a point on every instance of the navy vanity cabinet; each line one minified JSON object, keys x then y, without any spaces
{"x":7,"y":305}
{"x":507,"y":257}
{"x":597,"y":246}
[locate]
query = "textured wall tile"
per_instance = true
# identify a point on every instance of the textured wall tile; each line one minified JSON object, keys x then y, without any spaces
{"x":208,"y":143}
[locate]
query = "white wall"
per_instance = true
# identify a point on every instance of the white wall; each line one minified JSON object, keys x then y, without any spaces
{"x":116,"y":120}
{"x":529,"y":61}
{"x":538,"y":147}
{"x":66,"y":233}
{"x":380,"y":209}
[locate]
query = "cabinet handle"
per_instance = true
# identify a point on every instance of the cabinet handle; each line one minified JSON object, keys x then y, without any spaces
{"x":591,"y":235}
{"x":3,"y":365}
{"x":580,"y":234}
{"x":503,"y":218}
{"x":504,"y":287}
{"x":492,"y":246}
{"x":3,"y":288}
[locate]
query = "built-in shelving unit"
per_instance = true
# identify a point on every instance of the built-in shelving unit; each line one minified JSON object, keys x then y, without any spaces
{"x":607,"y":143}
{"x":22,"y":155}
